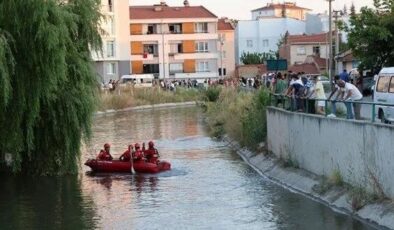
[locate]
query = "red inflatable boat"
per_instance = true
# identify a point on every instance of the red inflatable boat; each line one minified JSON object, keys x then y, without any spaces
{"x":122,"y":166}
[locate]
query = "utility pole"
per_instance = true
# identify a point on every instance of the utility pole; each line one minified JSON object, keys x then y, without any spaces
{"x":336,"y":16}
{"x":221,"y":40}
{"x":330,"y":39}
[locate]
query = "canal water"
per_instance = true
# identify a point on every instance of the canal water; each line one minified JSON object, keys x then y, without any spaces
{"x":209,"y":186}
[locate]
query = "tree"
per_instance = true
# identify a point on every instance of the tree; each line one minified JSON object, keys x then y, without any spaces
{"x":48,"y":86}
{"x":256,"y":58}
{"x":352,"y":9}
{"x":344,"y":11}
{"x":370,"y":35}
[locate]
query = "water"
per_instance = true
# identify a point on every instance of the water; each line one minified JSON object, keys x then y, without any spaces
{"x":209,"y":187}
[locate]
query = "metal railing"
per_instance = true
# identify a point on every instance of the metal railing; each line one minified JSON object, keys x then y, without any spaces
{"x":285,"y":102}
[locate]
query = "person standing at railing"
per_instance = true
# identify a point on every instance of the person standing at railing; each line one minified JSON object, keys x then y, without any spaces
{"x":317,"y":92}
{"x":296,"y":91}
{"x":280,"y":88}
{"x":336,"y":91}
{"x":350,"y":94}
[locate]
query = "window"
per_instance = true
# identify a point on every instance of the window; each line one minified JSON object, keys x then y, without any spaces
{"x":220,"y":72}
{"x":202,"y":66}
{"x":111,"y":26}
{"x":176,"y":68}
{"x":265,"y":43}
{"x":111,"y":68}
{"x":316,"y":50}
{"x":383,"y":84}
{"x":110,"y":8}
{"x":249,"y":43}
{"x":110,"y":49}
{"x":152,"y":29}
{"x":150,"y":68}
{"x":202,"y":47}
{"x":301,"y":50}
{"x":391,"y":90}
{"x":176,"y":48}
{"x":175,"y":28}
{"x":201,"y":27}
{"x":151,"y":49}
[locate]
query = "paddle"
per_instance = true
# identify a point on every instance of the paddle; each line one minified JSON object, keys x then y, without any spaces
{"x":132,"y":160}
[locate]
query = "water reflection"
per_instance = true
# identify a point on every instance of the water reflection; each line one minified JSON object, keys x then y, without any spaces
{"x":45,"y":203}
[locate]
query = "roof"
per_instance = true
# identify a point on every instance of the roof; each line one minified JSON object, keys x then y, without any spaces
{"x":281,"y":6}
{"x":225,"y":24}
{"x":346,"y":56}
{"x":321,"y":62}
{"x":314,"y":38}
{"x":149,"y":12}
{"x":304,"y":67}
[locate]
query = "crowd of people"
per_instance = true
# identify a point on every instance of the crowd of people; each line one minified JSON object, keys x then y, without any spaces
{"x":307,"y":93}
{"x":150,"y":154}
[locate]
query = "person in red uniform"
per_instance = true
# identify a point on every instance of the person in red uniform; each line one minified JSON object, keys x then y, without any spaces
{"x":138,"y":155}
{"x":104,"y":154}
{"x":126,"y":156}
{"x":151,"y":154}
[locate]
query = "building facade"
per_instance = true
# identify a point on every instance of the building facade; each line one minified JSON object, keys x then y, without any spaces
{"x":173,"y":42}
{"x":298,"y":47}
{"x":263,"y":35}
{"x":114,"y":60}
{"x":226,"y":44}
{"x":285,"y":10}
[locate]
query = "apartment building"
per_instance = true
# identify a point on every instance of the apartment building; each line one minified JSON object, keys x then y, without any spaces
{"x":285,"y":10}
{"x":114,"y":60}
{"x":226,"y":44}
{"x":173,"y":42}
{"x":268,"y":25}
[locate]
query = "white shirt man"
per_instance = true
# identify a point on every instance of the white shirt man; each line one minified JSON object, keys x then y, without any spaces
{"x":352,"y":92}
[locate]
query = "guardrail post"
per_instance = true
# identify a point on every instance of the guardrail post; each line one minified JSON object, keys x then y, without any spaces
{"x":325,"y":108}
{"x":373,"y":112}
{"x":307,"y":105}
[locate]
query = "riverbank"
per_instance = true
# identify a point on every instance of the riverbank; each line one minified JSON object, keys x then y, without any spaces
{"x":147,"y":107}
{"x":338,"y":198}
{"x":129,"y":97}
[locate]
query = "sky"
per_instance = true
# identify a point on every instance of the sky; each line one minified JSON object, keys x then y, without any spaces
{"x":240,"y":9}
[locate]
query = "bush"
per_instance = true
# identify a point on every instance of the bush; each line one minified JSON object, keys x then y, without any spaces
{"x":239,"y":114}
{"x":212,"y":94}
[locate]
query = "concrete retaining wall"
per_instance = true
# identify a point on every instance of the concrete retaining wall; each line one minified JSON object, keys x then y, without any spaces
{"x":362,"y":152}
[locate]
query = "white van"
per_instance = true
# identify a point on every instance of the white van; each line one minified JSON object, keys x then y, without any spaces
{"x":139,"y":80}
{"x":384,"y":93}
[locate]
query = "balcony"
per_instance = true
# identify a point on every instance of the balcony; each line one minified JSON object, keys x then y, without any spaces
{"x":182,"y":56}
{"x":143,"y":57}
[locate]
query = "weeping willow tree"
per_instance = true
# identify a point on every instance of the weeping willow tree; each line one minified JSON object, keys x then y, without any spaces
{"x":47,"y":84}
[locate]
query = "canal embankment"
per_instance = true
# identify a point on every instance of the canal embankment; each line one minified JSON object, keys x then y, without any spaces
{"x":296,"y":179}
{"x":344,"y":164}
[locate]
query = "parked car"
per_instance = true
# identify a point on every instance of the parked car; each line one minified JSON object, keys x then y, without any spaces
{"x":384,"y":93}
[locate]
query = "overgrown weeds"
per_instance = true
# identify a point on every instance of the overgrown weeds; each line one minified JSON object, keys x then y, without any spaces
{"x":239,"y":114}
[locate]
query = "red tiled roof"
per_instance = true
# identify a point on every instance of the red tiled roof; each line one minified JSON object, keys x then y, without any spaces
{"x":281,"y":6}
{"x":321,"y":62}
{"x":305,"y":67}
{"x":149,"y":12}
{"x":224,"y":24}
{"x":314,"y":38}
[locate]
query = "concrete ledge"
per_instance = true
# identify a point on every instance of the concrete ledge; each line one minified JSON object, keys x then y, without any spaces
{"x":379,"y":215}
{"x":148,"y":107}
